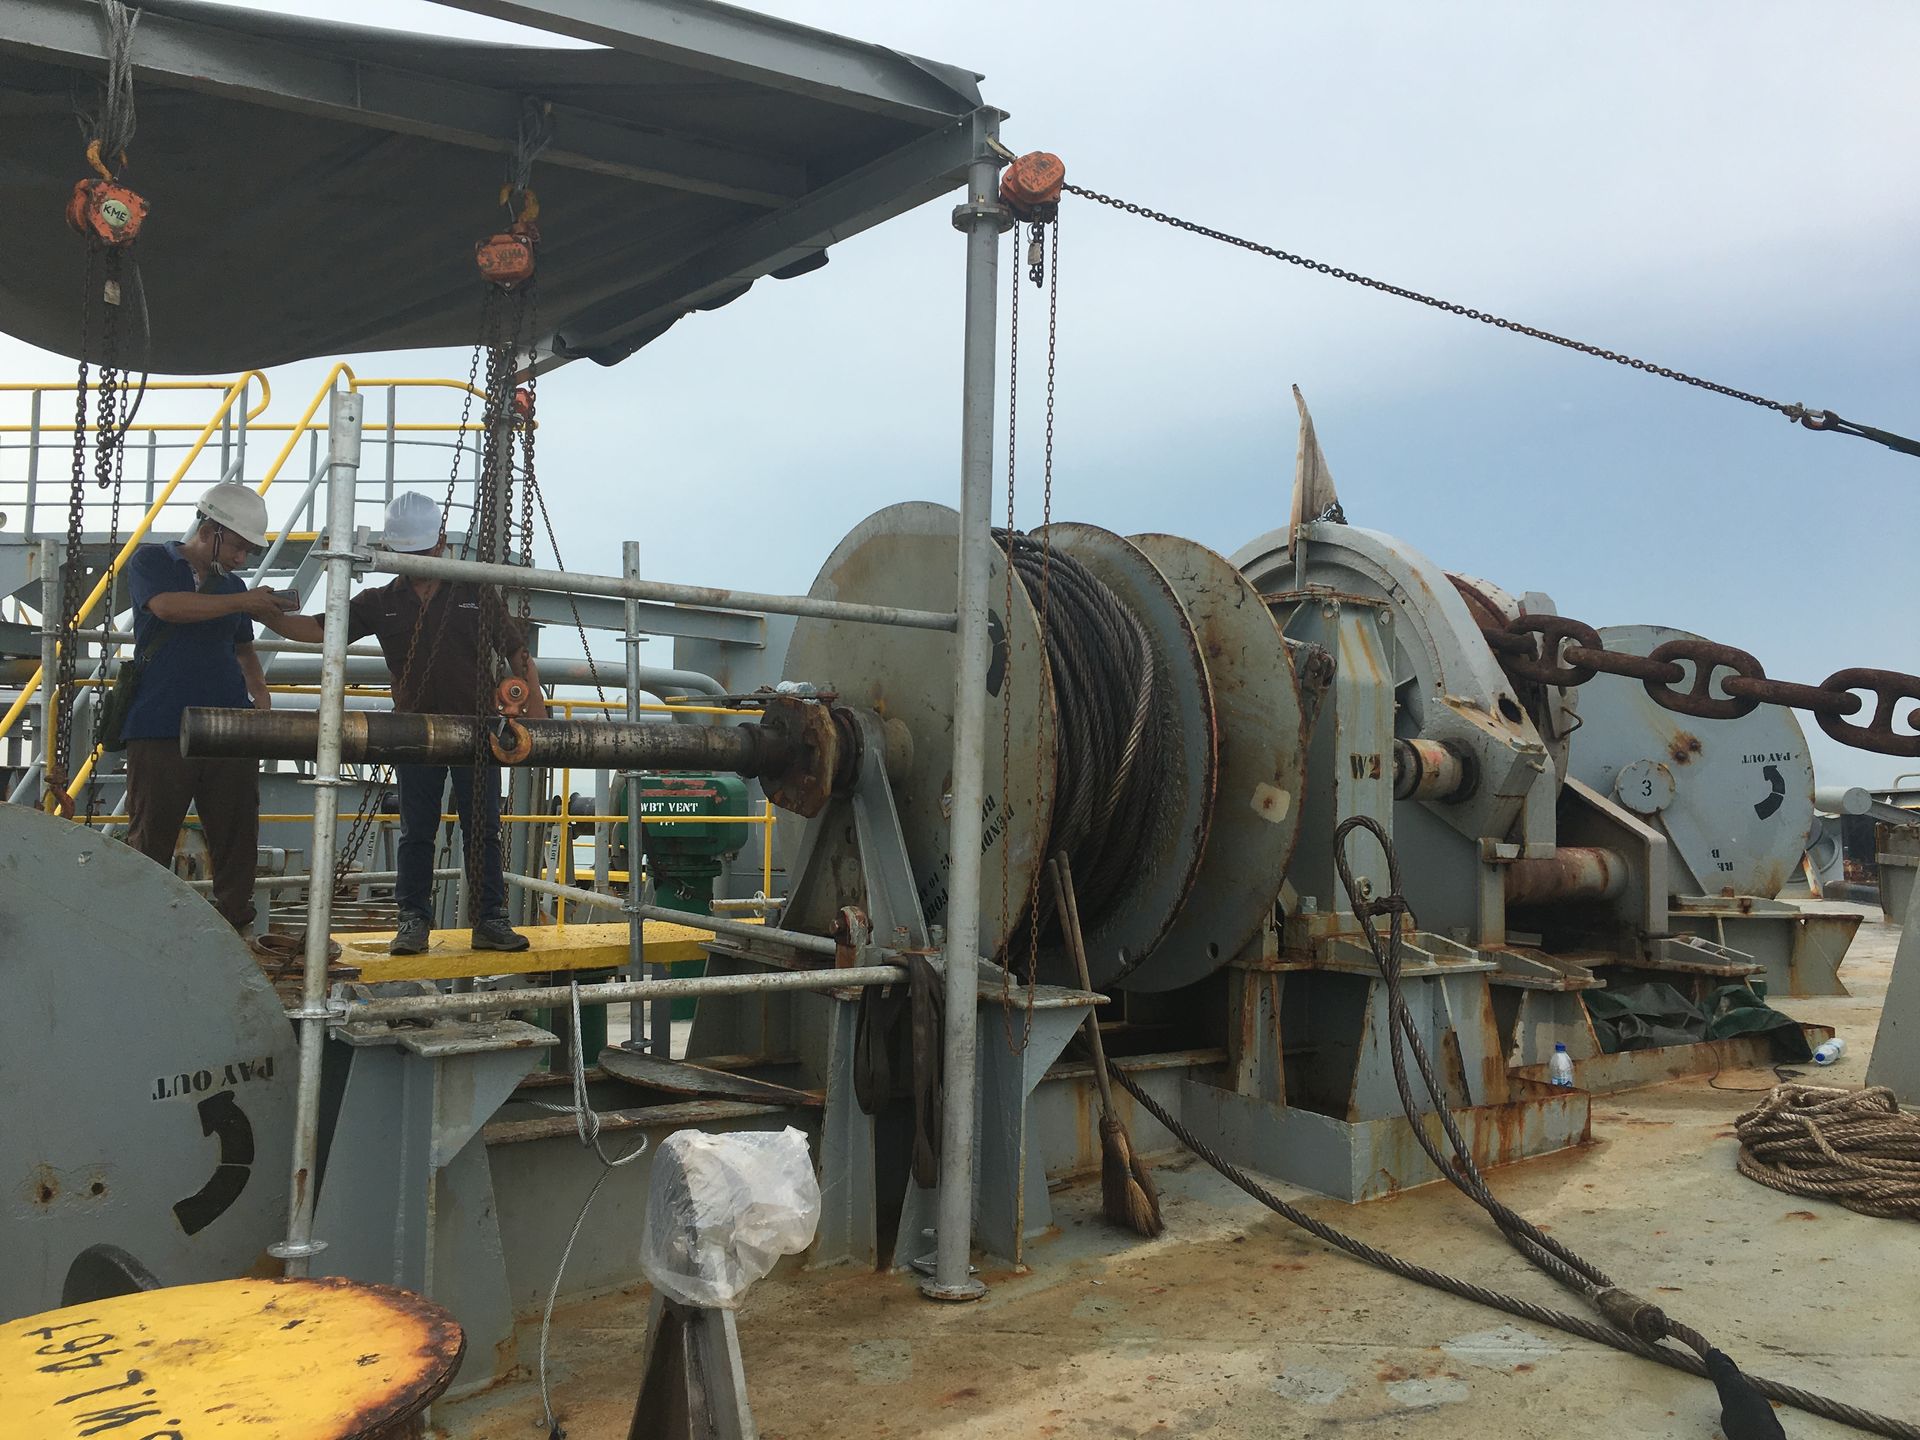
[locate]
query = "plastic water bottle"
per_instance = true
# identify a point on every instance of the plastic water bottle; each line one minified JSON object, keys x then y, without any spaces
{"x":1829,"y":1051}
{"x":1560,"y":1068}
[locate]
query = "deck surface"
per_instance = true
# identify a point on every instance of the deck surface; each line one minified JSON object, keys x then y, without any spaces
{"x":1233,"y":1324}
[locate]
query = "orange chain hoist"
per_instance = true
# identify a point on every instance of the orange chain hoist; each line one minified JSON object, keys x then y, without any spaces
{"x":506,"y":258}
{"x":102,"y":209}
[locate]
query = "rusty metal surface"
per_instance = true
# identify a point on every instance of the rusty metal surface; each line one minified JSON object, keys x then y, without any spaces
{"x":1262,"y":763}
{"x":1741,"y":806}
{"x":1573,"y":872}
{"x":1176,"y":836}
{"x":1635,"y":1069}
{"x":390,"y":737}
{"x":904,"y":555}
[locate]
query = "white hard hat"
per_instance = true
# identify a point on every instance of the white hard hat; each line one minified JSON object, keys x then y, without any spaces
{"x":413,"y":522}
{"x":237,"y":508}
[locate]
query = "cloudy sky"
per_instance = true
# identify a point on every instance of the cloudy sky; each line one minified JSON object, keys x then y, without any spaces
{"x":1725,"y":188}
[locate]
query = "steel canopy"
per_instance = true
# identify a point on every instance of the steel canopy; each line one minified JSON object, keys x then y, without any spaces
{"x":316,"y":188}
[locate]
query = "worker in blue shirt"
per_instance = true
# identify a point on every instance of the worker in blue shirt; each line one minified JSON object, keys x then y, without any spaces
{"x":193,"y":625}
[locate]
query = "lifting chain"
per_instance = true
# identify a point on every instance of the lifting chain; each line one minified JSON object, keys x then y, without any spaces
{"x":1025,"y":189}
{"x":1822,"y":420}
{"x":107,"y":216}
{"x":1559,"y":651}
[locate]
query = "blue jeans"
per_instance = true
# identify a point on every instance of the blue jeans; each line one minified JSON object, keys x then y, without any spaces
{"x":422,"y":788}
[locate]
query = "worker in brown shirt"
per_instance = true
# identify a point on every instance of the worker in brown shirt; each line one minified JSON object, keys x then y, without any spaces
{"x":433,"y":636}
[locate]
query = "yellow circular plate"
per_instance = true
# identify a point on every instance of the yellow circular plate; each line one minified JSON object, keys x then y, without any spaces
{"x":268,"y":1359}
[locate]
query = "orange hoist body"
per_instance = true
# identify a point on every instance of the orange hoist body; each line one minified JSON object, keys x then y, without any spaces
{"x":506,"y":259}
{"x":1031,"y":185}
{"x":106,"y":212}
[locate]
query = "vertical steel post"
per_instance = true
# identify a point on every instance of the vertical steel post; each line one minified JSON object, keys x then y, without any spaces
{"x":658,"y":1025}
{"x":52,"y":604}
{"x":343,"y":444}
{"x":983,"y":220}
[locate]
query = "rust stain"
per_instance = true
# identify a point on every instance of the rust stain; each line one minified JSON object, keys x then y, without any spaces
{"x":1801,"y":1215}
{"x":1683,"y":747}
{"x":44,"y":1185}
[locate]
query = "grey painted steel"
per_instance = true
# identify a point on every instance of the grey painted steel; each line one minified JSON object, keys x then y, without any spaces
{"x":218,"y":60}
{"x":980,"y":219}
{"x":759,"y":49}
{"x":1742,"y":807}
{"x":407,"y":1194}
{"x":343,"y":473}
{"x":514,"y":577}
{"x":613,"y":992}
{"x":905,"y":554}
{"x":1262,"y":764}
{"x":1137,"y":923}
{"x":150,"y":1067}
{"x":1446,"y":687}
{"x":693,"y":1383}
{"x":1896,"y":1046}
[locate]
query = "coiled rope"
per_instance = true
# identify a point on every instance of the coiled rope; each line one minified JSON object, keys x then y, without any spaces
{"x":1856,"y":1147}
{"x":1115,"y":725}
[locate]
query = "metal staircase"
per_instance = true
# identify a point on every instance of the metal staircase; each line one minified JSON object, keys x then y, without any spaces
{"x":175,"y":449}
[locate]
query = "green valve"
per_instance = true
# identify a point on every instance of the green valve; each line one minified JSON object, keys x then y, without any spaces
{"x":686,"y":857}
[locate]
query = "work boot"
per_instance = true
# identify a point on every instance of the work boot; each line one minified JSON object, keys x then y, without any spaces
{"x":413,"y":936}
{"x":497,"y":935}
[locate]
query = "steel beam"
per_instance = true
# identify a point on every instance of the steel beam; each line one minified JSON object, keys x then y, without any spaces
{"x":755,"y":49}
{"x":892,"y":185}
{"x":214,"y":60}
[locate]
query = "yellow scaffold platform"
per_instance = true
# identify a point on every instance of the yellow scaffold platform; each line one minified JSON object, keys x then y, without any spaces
{"x":293,"y":1359}
{"x":592,"y":946}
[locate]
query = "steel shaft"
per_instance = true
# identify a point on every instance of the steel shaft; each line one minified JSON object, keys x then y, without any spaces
{"x":391,"y":738}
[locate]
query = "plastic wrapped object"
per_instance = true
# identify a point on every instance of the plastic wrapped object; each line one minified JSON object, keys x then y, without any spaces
{"x":723,"y":1209}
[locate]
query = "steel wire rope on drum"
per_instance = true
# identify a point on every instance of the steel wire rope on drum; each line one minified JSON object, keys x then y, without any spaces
{"x":1114,"y":724}
{"x":1854,"y":1147}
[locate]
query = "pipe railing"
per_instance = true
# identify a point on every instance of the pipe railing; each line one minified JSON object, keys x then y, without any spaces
{"x":619,"y":992}
{"x":576,"y":582}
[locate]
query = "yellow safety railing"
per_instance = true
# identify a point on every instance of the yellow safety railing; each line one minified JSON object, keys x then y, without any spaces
{"x":232,"y":392}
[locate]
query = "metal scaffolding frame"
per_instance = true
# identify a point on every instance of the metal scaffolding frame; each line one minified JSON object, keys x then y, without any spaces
{"x":982,"y":219}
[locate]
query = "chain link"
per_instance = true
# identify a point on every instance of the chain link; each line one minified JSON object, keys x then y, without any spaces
{"x":1791,"y":411}
{"x":1534,"y":648}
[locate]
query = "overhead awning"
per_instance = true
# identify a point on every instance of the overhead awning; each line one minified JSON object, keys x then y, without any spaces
{"x":316,"y":189}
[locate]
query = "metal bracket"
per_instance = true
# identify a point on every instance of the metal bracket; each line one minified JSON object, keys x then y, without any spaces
{"x":965,"y":215}
{"x":331,"y":1011}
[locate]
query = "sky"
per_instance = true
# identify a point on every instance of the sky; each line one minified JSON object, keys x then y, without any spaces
{"x":1724,"y":188}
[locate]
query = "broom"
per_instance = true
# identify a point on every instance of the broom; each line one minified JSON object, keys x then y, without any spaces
{"x":1127,"y":1195}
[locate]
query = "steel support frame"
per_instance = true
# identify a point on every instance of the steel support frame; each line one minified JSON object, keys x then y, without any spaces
{"x":176,"y":53}
{"x":343,"y":473}
{"x":758,"y":49}
{"x":983,"y":220}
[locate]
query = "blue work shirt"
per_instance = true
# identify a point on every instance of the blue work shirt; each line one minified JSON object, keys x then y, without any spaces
{"x":195,"y":665}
